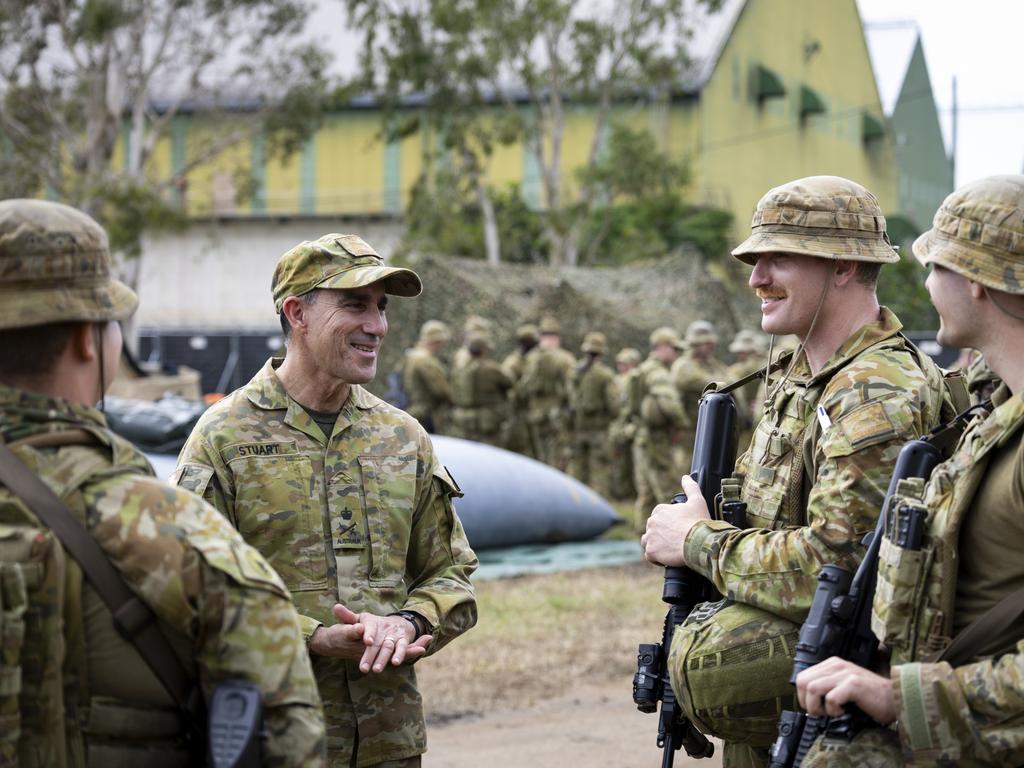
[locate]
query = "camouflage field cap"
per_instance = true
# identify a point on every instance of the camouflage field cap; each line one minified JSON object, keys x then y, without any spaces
{"x":666,"y":335}
{"x":745,"y":341}
{"x":549,"y":324}
{"x":978,"y":232}
{"x":825,"y":216}
{"x":478,"y":341}
{"x":628,"y":356}
{"x":434,"y":330}
{"x":55,"y":266}
{"x":527,"y":332}
{"x":700,"y":332}
{"x":476,"y":323}
{"x":594,"y":342}
{"x":337,"y":261}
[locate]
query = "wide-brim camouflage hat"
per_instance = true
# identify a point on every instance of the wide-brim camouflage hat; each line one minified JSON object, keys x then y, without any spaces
{"x":828,"y":217}
{"x":338,"y":261}
{"x":55,"y":266}
{"x":594,"y":342}
{"x":978,"y":232}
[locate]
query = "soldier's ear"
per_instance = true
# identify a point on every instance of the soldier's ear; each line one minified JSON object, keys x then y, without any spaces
{"x":83,"y":345}
{"x":844,"y":271}
{"x":294,"y":310}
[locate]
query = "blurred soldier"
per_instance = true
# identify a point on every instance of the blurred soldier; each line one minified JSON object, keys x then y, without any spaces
{"x":653,"y":403}
{"x":594,"y":403}
{"x":691,"y":373}
{"x":547,"y":376}
{"x":816,"y":471}
{"x":425,"y":378}
{"x":76,"y":690}
{"x":751,"y":355}
{"x":474,"y":325}
{"x":963,"y":707}
{"x":622,"y":431}
{"x":481,"y":390}
{"x":517,"y":431}
{"x":344,"y":495}
{"x":981,"y":380}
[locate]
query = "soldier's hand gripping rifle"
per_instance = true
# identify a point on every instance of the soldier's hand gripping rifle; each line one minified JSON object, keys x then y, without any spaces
{"x":714,"y":453}
{"x":839,"y":622}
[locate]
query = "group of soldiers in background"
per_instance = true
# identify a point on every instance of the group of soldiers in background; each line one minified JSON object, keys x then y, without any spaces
{"x":625,"y":433}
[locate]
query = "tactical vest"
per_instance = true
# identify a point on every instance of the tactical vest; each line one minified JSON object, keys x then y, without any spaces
{"x":78,"y":703}
{"x":915,"y":596}
{"x":590,"y":397}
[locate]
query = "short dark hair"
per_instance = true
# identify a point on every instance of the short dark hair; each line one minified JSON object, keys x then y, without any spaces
{"x":33,"y":351}
{"x":306,"y":298}
{"x":867,"y":273}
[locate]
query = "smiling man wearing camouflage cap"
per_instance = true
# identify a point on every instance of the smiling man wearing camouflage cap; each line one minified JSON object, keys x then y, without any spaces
{"x":966,"y":708}
{"x":89,"y":694}
{"x":345,"y":497}
{"x":816,"y":470}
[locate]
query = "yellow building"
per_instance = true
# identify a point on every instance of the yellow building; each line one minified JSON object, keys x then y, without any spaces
{"x":779,"y":89}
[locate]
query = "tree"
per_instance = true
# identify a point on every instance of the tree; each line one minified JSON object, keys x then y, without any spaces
{"x":505,"y":70}
{"x":80,"y":79}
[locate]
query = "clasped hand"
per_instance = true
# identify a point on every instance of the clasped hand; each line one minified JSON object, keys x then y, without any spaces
{"x":669,"y":525}
{"x":374,"y":640}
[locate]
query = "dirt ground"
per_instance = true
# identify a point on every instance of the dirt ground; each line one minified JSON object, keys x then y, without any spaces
{"x":545,"y":678}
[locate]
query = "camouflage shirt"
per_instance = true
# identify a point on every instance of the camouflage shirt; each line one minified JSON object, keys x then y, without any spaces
{"x":969,"y":560}
{"x":223,"y":609}
{"x":690,"y":376}
{"x":363,"y":518}
{"x":818,"y":467}
{"x":427,"y":387}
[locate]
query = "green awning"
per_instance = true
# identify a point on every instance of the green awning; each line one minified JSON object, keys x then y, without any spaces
{"x":765,"y":84}
{"x":871,"y":128}
{"x":810,"y":102}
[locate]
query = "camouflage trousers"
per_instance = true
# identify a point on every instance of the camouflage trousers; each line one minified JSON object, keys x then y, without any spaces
{"x":655,"y":475}
{"x":590,"y":460}
{"x":620,"y":470}
{"x":516,"y":436}
{"x":874,"y":748}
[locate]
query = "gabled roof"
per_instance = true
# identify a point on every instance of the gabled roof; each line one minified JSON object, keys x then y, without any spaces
{"x":711,"y":31}
{"x":891,"y":46}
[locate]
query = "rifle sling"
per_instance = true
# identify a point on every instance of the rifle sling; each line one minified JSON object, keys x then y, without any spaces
{"x":133,"y":619}
{"x":994,"y":632}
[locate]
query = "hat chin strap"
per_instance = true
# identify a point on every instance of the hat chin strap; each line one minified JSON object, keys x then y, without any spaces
{"x":102,"y":405}
{"x":992,"y":295}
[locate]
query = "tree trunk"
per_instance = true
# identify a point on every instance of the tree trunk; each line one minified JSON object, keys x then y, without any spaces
{"x":492,"y":241}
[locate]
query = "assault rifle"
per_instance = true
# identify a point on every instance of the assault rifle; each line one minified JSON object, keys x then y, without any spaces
{"x":839,"y":622}
{"x":714,"y":453}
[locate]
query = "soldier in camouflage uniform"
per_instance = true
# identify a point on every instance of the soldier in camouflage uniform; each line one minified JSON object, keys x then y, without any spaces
{"x":481,"y":391}
{"x":622,"y":431}
{"x":816,"y":471}
{"x":87,"y":697}
{"x":517,"y":431}
{"x":981,"y":380}
{"x":425,"y":378}
{"x":652,"y":401}
{"x":545,"y":383}
{"x":474,"y":326}
{"x":344,"y":495}
{"x":966,"y":710}
{"x":693,"y":371}
{"x":751,"y":354}
{"x":594,"y":402}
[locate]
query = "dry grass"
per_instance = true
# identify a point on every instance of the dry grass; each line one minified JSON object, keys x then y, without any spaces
{"x":538,"y":636}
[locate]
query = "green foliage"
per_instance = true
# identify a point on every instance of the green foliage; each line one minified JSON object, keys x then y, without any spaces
{"x":901,"y":288}
{"x":443,"y":217}
{"x":80,"y":76}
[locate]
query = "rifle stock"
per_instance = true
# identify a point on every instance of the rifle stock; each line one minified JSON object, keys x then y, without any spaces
{"x":839,"y":622}
{"x":714,"y":454}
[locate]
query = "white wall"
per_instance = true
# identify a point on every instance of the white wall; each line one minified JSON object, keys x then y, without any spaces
{"x":217,"y":275}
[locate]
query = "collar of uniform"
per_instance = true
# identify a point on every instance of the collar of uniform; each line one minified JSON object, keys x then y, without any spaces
{"x":1008,"y":414}
{"x":885,"y":327}
{"x":28,"y":413}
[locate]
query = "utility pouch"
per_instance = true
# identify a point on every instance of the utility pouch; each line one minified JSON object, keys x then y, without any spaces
{"x":728,"y":504}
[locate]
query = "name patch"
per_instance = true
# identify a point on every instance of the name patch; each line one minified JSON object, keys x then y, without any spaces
{"x":247,"y":450}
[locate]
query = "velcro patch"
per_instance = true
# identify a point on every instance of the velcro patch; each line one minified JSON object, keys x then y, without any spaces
{"x":866,"y":425}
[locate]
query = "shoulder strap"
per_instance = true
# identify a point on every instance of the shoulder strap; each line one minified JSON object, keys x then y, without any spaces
{"x":995,"y":631}
{"x":133,"y":619}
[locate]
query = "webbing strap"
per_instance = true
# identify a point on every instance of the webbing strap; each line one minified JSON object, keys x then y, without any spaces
{"x":133,"y":618}
{"x":995,"y":631}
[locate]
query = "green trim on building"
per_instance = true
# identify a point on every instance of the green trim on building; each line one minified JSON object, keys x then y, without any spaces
{"x":765,"y":84}
{"x":392,"y":192}
{"x":871,"y":128}
{"x":258,"y":158}
{"x":811,"y":103}
{"x":307,"y":177}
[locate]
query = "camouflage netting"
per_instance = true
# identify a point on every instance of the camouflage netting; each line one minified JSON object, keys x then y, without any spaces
{"x":625,"y":303}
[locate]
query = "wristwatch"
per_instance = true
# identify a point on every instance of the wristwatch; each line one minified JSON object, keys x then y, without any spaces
{"x":418,"y":622}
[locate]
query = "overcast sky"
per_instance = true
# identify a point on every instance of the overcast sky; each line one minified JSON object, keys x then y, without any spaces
{"x":981,"y":44}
